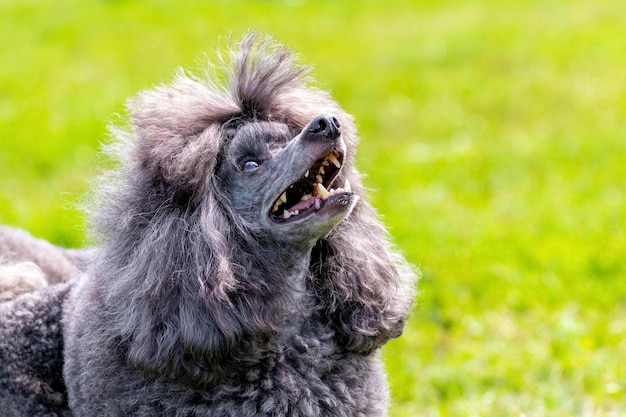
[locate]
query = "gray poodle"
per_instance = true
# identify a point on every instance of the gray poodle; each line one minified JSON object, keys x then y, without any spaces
{"x":240,"y":270}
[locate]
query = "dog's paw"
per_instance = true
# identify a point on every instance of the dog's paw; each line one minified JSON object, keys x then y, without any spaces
{"x":20,"y":278}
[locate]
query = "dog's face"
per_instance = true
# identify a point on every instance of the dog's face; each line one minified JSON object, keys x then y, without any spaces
{"x":285,"y":181}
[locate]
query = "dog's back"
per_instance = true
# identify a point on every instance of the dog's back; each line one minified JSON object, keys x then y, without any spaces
{"x":28,"y":263}
{"x":31,"y":354}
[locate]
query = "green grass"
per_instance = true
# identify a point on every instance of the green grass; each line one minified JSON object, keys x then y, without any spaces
{"x":493,"y":135}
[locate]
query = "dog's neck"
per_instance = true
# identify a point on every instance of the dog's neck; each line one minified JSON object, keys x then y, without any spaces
{"x":291,"y":264}
{"x":302,"y":304}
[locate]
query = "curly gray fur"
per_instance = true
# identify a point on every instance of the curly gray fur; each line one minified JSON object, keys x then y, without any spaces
{"x":31,"y":355}
{"x":197,"y":302}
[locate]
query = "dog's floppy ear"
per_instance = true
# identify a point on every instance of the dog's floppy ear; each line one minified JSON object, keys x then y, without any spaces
{"x":183,"y":311}
{"x":366,"y":287}
{"x":177,"y":303}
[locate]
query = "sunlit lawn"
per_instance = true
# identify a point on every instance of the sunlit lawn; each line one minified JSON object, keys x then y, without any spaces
{"x":493,"y":136}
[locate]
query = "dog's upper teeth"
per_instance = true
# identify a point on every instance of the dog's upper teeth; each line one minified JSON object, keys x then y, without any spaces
{"x":319,"y":178}
{"x":322,"y":171}
{"x":283,"y":197}
{"x":347,"y":187}
{"x":322,"y":191}
{"x":306,"y":174}
{"x":325,"y":162}
{"x":332,"y":158}
{"x":306,"y":197}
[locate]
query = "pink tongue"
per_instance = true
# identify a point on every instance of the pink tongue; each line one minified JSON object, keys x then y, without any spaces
{"x":303,"y":205}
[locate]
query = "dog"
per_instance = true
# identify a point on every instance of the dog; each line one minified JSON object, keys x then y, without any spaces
{"x":240,"y":270}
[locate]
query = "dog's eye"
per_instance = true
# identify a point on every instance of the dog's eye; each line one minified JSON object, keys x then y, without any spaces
{"x":250,"y":165}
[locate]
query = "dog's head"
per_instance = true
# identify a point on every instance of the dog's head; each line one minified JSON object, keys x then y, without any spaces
{"x":267,"y":153}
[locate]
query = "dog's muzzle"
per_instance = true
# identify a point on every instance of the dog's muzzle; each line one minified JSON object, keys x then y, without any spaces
{"x":312,"y":191}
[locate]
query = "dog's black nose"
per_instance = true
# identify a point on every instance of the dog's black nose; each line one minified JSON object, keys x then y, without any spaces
{"x":325,"y":126}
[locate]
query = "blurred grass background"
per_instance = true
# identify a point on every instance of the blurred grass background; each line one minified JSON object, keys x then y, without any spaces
{"x":493,"y":135}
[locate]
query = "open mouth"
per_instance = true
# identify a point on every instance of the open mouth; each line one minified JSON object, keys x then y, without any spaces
{"x":312,"y":191}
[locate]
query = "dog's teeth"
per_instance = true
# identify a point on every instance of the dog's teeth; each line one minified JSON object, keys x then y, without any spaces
{"x":306,"y":197}
{"x":306,"y":174}
{"x":319,"y":178}
{"x":283,"y":197}
{"x":295,"y":212}
{"x":286,"y":214}
{"x":322,"y":171}
{"x":347,"y":187}
{"x":332,"y":158}
{"x":325,"y":162}
{"x":322,"y":191}
{"x":276,"y":205}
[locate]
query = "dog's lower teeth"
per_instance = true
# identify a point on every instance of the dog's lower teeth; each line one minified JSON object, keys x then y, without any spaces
{"x":306,"y":197}
{"x":287,"y":214}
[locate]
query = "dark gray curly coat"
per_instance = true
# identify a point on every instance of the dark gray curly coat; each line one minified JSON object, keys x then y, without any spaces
{"x":236,"y":274}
